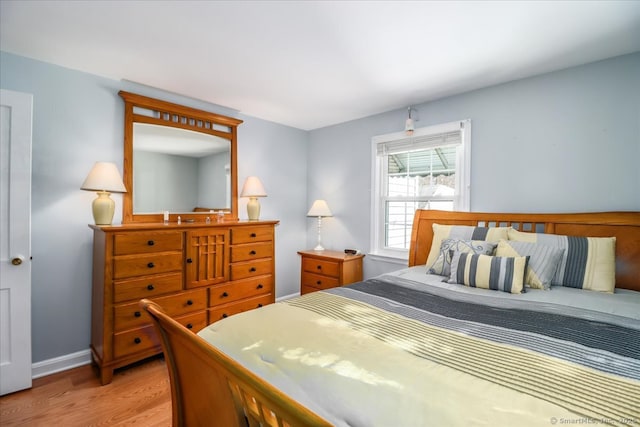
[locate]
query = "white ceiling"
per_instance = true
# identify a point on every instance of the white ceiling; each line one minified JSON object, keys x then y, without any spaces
{"x":310,"y":64}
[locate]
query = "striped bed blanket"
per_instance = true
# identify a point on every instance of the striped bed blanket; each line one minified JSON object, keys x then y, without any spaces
{"x":480,"y":364}
{"x":588,"y":366}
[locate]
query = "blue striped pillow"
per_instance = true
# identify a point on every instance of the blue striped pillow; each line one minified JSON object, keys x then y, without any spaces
{"x":505,"y":274}
{"x":586,"y":263}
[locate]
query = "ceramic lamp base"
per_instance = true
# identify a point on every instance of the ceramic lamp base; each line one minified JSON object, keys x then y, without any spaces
{"x":253,"y":209}
{"x":103,"y":208}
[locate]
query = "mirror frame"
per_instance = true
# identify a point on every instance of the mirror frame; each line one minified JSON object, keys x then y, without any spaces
{"x":165,"y":113}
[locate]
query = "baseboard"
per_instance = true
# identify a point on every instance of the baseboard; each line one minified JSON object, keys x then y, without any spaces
{"x":59,"y":364}
{"x":296,"y":294}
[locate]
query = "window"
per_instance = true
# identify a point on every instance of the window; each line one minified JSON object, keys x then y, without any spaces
{"x":427,"y":170}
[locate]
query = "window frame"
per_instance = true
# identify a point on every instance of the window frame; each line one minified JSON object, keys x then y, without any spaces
{"x":462,"y":198}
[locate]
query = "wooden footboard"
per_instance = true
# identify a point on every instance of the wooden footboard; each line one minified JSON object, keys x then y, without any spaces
{"x":624,"y":226}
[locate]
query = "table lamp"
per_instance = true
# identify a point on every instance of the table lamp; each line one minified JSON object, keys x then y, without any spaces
{"x":104,"y":179}
{"x":253,"y":189}
{"x":319,"y":209}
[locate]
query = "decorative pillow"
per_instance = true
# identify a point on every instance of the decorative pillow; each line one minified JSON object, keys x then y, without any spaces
{"x":489,"y":272}
{"x":543,"y":260}
{"x":462,"y":232}
{"x":442,"y":266}
{"x":587,"y":262}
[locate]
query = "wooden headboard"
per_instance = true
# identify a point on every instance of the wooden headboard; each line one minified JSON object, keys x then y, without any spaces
{"x":624,"y":226}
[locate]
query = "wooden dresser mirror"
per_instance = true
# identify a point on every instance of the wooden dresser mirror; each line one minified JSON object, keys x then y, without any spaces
{"x":177,"y":159}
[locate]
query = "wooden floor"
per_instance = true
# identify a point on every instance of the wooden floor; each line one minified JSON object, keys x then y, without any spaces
{"x":138,"y":395}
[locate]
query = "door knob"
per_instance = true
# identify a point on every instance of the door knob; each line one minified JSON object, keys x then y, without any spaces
{"x":17,"y":260}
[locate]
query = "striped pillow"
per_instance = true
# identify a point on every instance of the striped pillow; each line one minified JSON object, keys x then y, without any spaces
{"x":462,"y":232}
{"x":543,"y":260}
{"x":489,"y":272}
{"x":587,"y":262}
{"x":442,"y":266}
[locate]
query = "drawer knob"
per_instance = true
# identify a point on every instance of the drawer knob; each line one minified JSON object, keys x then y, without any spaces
{"x":150,"y":287}
{"x":189,"y":326}
{"x":151,"y":242}
{"x":189,"y":302}
{"x":137,"y":340}
{"x":319,"y":267}
{"x":224,"y":315}
{"x":253,"y":235}
{"x":252,"y":253}
{"x":189,"y":260}
{"x":151,"y":265}
{"x":252,"y":269}
{"x":319,"y":282}
{"x":137,"y":314}
{"x":224,"y":295}
{"x":260,"y":286}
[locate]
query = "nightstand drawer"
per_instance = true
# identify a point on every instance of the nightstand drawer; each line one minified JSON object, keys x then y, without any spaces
{"x":320,"y":266}
{"x":224,"y":294}
{"x":244,"y":270}
{"x":147,"y":264}
{"x":148,"y":287}
{"x":319,"y":281}
{"x":134,"y":243}
{"x":251,"y":234}
{"x":251,"y":251}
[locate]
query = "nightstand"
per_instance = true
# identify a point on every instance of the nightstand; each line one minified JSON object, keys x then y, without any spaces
{"x":328,"y":269}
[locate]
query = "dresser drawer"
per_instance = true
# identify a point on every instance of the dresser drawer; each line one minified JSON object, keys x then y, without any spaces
{"x":251,"y":234}
{"x":147,"y":287}
{"x":244,"y":270}
{"x":319,"y":281}
{"x":251,"y":251}
{"x":224,"y":294}
{"x":227,"y":310}
{"x":128,"y":316}
{"x":145,"y":338}
{"x":140,"y":265}
{"x":320,"y":266}
{"x":134,"y":341}
{"x":194,"y":322}
{"x":135,"y":243}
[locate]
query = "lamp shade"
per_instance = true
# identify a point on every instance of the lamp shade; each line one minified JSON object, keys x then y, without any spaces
{"x":104,"y":176}
{"x":253,"y":188}
{"x":320,"y":209}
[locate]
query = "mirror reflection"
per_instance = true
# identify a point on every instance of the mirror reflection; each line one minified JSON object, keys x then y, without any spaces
{"x":179,"y":170}
{"x":185,"y":162}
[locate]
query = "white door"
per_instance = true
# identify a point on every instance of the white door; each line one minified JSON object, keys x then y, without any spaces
{"x":15,"y":241}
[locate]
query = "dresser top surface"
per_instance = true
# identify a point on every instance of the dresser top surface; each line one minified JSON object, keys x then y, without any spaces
{"x":158,"y":226}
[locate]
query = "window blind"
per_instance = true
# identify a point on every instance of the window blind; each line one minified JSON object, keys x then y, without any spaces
{"x":418,"y":142}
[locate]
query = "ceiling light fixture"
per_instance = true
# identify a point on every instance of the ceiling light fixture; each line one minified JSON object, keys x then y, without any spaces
{"x":409,"y":126}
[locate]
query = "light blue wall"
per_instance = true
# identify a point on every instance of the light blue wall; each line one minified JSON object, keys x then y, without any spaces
{"x":567,"y":141}
{"x":78,"y":120}
{"x":561,"y":142}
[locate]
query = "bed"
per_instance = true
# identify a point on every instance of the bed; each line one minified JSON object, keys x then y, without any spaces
{"x":532,"y":324}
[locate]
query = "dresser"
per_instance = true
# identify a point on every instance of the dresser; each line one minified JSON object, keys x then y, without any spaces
{"x":199,"y":273}
{"x":328,"y":269}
